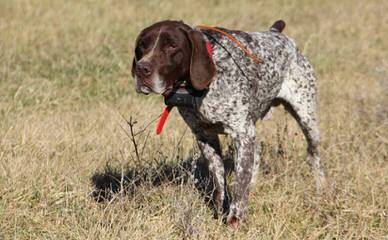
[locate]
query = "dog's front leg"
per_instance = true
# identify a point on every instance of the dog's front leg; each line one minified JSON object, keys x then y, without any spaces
{"x":244,"y":167}
{"x":210,"y":147}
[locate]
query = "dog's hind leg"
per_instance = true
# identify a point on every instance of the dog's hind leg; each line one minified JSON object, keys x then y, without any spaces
{"x":298,"y":95}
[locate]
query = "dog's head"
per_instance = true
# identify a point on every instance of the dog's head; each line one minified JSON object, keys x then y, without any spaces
{"x":168,"y":51}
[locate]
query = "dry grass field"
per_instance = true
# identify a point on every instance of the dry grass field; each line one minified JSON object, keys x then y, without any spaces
{"x":66,"y":90}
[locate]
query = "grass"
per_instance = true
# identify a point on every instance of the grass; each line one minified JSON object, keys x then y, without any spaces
{"x":65,"y":81}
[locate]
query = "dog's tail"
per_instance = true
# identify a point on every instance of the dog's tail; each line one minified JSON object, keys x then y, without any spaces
{"x":278,"y":26}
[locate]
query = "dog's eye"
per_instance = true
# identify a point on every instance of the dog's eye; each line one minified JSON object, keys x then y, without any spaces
{"x":171,"y":46}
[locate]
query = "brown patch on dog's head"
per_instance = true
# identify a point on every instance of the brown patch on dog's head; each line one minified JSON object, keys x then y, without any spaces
{"x":169,"y":51}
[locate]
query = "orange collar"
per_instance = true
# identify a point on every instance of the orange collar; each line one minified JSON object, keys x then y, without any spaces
{"x":235,"y":40}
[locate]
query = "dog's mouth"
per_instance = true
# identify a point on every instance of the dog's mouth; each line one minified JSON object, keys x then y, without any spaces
{"x":145,"y":90}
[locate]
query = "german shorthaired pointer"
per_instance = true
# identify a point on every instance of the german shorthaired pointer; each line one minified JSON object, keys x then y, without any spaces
{"x":237,"y":92}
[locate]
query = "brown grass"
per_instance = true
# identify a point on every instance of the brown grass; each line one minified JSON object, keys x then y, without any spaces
{"x":65,"y":79}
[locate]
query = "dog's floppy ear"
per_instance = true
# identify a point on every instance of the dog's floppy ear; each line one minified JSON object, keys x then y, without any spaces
{"x":136,"y":53}
{"x":134,"y":62}
{"x":133,"y":67}
{"x":202,"y":68}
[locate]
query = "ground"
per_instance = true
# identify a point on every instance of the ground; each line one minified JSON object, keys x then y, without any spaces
{"x":66,"y":90}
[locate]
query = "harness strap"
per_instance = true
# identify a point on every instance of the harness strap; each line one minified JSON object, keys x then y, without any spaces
{"x":232,"y":38}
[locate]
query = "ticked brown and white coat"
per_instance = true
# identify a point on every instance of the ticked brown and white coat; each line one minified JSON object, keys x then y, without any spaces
{"x":239,"y":92}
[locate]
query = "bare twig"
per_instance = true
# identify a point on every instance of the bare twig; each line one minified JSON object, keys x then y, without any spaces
{"x":131,"y":123}
{"x":146,"y":126}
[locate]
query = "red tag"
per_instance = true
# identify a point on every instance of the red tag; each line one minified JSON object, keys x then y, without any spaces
{"x":162,"y":119}
{"x":209,"y":49}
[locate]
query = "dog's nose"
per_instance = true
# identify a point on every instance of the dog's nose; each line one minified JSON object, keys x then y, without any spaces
{"x":144,"y":68}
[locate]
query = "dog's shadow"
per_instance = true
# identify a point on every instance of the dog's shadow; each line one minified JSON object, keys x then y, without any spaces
{"x":111,"y":181}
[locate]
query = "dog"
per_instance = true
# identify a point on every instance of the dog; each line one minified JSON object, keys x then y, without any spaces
{"x":242,"y":77}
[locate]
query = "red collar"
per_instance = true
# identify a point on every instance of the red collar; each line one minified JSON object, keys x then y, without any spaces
{"x":167,"y":109}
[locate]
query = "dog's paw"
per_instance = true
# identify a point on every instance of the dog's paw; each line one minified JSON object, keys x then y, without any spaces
{"x":233,"y":222}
